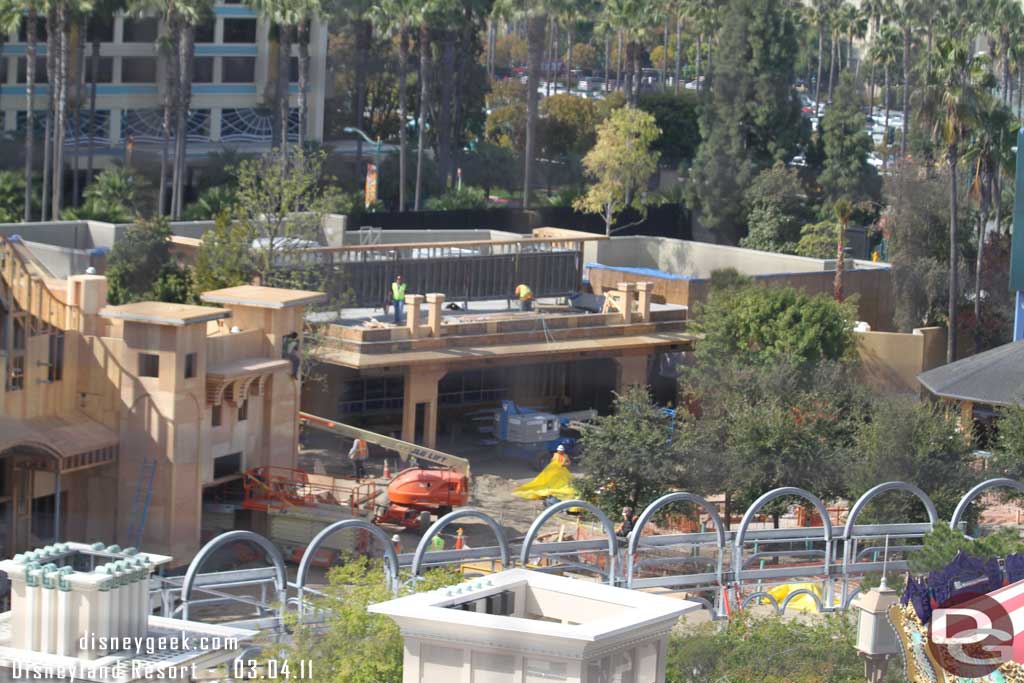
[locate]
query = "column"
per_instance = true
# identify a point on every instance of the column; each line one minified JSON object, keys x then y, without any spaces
{"x":627,"y":289}
{"x":435,"y":307}
{"x":412,"y":313}
{"x":632,"y":371}
{"x":644,"y":291}
{"x":421,"y":389}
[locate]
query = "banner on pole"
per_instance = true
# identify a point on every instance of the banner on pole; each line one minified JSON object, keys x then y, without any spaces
{"x":371,"y":184}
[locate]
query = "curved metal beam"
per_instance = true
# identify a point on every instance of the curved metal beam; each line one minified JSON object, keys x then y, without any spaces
{"x":748,"y":517}
{"x":668,"y":499}
{"x":797,"y":593}
{"x":758,"y":595}
{"x":271,"y":551}
{"x":442,"y":522}
{"x":390,"y":556}
{"x":858,"y":507}
{"x":548,"y":513}
{"x":969,"y":497}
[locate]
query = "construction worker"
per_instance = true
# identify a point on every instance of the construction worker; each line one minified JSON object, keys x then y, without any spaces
{"x":291,"y":351}
{"x":525,"y":295}
{"x":396,"y":541}
{"x":397,"y":298}
{"x":437,"y":542}
{"x":628,"y":522}
{"x":358,"y":454}
{"x":560,"y":456}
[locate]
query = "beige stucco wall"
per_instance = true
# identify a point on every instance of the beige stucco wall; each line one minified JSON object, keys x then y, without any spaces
{"x":892,"y":360}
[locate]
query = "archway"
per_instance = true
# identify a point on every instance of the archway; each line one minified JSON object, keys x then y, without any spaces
{"x":390,"y":557}
{"x":28,"y":520}
{"x":538,"y":524}
{"x":442,"y":522}
{"x":269,"y":549}
{"x":965,"y":502}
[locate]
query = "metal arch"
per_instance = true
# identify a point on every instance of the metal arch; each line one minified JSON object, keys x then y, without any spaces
{"x":390,"y":556}
{"x":280,"y":580}
{"x":668,"y":499}
{"x":442,"y":522}
{"x":748,"y":516}
{"x":849,"y":598}
{"x":758,"y":595}
{"x":969,"y":497}
{"x":548,"y":513}
{"x":858,"y":507}
{"x":797,"y":593}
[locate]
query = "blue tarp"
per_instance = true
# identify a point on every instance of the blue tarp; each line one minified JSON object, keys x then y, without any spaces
{"x":648,"y":272}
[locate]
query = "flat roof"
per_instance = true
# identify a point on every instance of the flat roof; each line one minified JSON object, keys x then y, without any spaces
{"x":597,"y":346}
{"x":160,"y":313}
{"x":262,"y":297}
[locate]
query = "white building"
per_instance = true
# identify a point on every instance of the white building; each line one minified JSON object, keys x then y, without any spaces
{"x":231,"y":94}
{"x":523,"y":626}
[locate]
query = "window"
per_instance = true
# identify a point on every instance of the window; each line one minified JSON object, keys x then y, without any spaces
{"x":100,"y":28}
{"x":40,"y":76}
{"x":239,"y":30}
{"x":138,"y":69}
{"x":40,"y":30}
{"x":55,"y":373}
{"x":215,"y":417}
{"x":191,"y":361}
{"x":140,"y":30}
{"x":226,"y":465}
{"x":16,"y":373}
{"x":243,"y":410}
{"x":149,"y":365}
{"x":293,"y":70}
{"x":202,"y":70}
{"x":204,"y":31}
{"x":239,"y":70}
{"x":104,"y":69}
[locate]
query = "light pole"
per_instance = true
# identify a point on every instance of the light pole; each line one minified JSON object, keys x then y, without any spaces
{"x":362,"y":134}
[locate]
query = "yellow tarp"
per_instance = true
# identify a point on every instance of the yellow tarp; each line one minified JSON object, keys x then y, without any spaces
{"x":802,"y":602}
{"x":553,"y":481}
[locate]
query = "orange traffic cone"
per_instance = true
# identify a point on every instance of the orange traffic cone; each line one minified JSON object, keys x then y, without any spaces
{"x":387,"y":469}
{"x":725,"y":602}
{"x":458,"y":540}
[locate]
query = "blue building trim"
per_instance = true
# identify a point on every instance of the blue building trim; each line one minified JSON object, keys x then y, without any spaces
{"x":41,"y":89}
{"x":234,"y":11}
{"x":226,"y":50}
{"x":20,"y":49}
{"x":224,"y":89}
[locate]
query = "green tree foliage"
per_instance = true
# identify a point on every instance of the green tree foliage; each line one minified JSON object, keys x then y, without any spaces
{"x":1008,"y":446}
{"x":676,"y":116}
{"x":751,"y":649}
{"x":847,"y":172}
{"x":225,"y":256}
{"x":354,"y":645}
{"x":111,"y":197}
{"x":759,"y":427}
{"x":455,"y":199}
{"x":489,"y":165}
{"x":506,"y":126}
{"x":569,"y":126}
{"x":818,"y":240}
{"x":753,"y":119}
{"x":629,"y":456}
{"x":942,"y":544}
{"x":12,"y":196}
{"x":621,"y":163}
{"x":902,"y":440}
{"x":141,"y":268}
{"x":778,"y":207}
{"x":767,"y":324}
{"x":211,"y":203}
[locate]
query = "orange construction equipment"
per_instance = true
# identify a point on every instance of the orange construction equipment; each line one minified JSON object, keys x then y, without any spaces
{"x":459,"y":543}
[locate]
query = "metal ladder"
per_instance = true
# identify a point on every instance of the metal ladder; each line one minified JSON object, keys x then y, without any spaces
{"x":140,"y":508}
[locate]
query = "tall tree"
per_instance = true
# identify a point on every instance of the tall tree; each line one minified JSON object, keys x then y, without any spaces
{"x":101,"y":18}
{"x":951,"y":101}
{"x":846,"y":171}
{"x":753,"y":118}
{"x":906,"y":15}
{"x":31,"y":51}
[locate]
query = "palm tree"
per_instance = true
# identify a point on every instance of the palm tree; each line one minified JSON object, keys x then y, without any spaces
{"x":103,"y":14}
{"x":59,"y":36}
{"x":885,"y":50}
{"x":818,"y":14}
{"x":31,"y":49}
{"x":309,"y":11}
{"x":873,"y":10}
{"x":843,"y":210}
{"x":536,"y":26}
{"x":951,"y":101}
{"x":987,"y":154}
{"x":906,"y":15}
{"x":283,"y":16}
{"x":399,"y":16}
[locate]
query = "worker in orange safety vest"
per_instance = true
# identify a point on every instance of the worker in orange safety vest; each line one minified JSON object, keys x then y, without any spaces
{"x":560,"y":456}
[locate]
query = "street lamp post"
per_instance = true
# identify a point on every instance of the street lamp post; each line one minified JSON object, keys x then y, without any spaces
{"x":369,"y":140}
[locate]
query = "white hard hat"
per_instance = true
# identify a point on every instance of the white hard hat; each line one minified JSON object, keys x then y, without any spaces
{"x":561,"y":448}
{"x":396,"y":539}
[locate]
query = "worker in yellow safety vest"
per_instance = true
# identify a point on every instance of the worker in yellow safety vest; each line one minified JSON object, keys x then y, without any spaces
{"x":358,"y":454}
{"x":397,"y":298}
{"x":560,"y":456}
{"x":525,"y":295}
